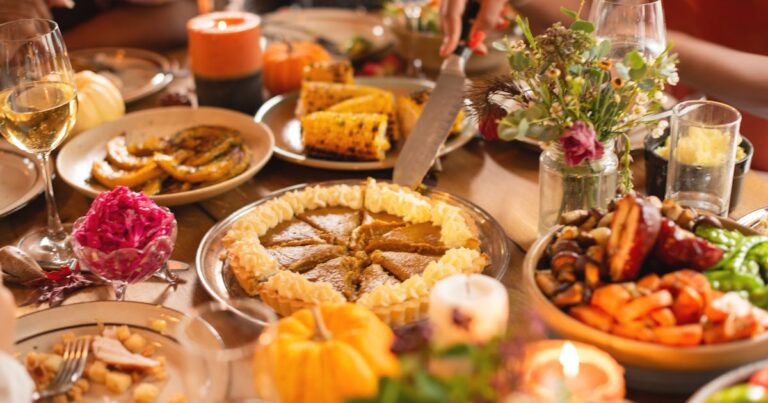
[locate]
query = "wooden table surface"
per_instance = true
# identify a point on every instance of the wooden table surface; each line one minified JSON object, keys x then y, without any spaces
{"x":499,"y":177}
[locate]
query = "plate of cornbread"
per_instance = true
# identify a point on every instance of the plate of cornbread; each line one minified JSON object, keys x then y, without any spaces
{"x":337,"y":121}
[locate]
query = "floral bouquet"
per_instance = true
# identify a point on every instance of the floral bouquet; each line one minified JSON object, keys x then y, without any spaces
{"x":566,"y":90}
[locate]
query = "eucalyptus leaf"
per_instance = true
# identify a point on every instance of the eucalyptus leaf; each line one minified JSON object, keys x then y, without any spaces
{"x":519,"y":61}
{"x":522,"y":127}
{"x":638,"y":73}
{"x":647,"y":84}
{"x":581,"y":25}
{"x":499,"y":45}
{"x":535,"y":112}
{"x":507,"y":132}
{"x":622,"y":70}
{"x":603,"y":49}
{"x":634,"y":60}
{"x":568,"y":12}
{"x":543,"y":133}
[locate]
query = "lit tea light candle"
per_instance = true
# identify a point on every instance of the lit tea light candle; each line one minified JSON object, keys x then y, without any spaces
{"x":554,"y":370}
{"x":225,"y":58}
{"x":467,"y":309}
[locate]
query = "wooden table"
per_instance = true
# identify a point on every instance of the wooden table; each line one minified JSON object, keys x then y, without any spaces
{"x":502,"y":178}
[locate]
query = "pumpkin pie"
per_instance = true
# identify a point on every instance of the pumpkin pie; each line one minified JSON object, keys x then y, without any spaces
{"x":304,"y":257}
{"x":293,"y":233}
{"x":402,"y":264}
{"x":415,"y":238}
{"x":376,"y":244}
{"x":338,"y":222}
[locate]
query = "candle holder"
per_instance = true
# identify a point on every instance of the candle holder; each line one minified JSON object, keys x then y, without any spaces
{"x":225,"y":59}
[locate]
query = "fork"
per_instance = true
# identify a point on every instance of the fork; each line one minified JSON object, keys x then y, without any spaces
{"x":71,"y":369}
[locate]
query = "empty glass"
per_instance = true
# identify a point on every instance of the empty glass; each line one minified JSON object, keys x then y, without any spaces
{"x":630,"y":25}
{"x":703,"y":140}
{"x":238,"y":366}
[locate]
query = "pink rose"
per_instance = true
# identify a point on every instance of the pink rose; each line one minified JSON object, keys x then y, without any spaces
{"x":580,"y":143}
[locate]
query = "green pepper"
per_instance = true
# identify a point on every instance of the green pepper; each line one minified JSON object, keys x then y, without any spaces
{"x":736,"y":260}
{"x":759,"y":297}
{"x":725,"y":280}
{"x":741,"y":393}
{"x":721,"y":237}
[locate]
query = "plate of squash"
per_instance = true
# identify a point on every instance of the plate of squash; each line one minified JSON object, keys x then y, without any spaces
{"x":175,"y":155}
{"x":339,"y":122}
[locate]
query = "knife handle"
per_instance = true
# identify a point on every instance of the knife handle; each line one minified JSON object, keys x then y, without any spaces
{"x":467,"y":19}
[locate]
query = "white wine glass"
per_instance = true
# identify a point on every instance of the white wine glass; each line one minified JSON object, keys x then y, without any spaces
{"x":630,"y":25}
{"x":38,"y":107}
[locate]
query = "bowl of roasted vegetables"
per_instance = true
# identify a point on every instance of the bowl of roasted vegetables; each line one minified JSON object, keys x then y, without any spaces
{"x":174,"y":155}
{"x":745,"y":384}
{"x":657,"y":285}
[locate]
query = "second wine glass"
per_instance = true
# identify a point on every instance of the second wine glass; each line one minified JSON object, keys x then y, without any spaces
{"x":38,"y":107}
{"x":630,"y":25}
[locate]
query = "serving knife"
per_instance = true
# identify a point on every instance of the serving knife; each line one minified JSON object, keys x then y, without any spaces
{"x":439,"y":113}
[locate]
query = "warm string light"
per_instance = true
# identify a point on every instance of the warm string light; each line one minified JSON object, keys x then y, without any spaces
{"x":569,"y":359}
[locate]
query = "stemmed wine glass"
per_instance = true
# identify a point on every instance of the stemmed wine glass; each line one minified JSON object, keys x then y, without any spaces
{"x":630,"y":25}
{"x":412,"y":10}
{"x":38,"y":107}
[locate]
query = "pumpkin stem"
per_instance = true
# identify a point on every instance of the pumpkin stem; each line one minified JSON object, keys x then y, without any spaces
{"x":321,"y":332}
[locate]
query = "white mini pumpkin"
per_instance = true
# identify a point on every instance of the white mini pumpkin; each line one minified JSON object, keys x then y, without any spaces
{"x":98,"y":101}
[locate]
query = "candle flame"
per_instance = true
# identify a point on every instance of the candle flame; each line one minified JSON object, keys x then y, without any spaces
{"x":569,"y":359}
{"x":222,"y":25}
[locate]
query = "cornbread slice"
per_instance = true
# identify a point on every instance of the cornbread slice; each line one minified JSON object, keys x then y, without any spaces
{"x":318,"y":96}
{"x":330,"y":72}
{"x":355,"y":136}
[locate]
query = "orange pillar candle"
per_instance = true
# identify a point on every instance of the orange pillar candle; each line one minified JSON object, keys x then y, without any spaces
{"x":556,"y":370}
{"x":225,"y":58}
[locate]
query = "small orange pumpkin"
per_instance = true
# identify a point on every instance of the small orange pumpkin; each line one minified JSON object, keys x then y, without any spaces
{"x":339,"y":357}
{"x":284,"y":64}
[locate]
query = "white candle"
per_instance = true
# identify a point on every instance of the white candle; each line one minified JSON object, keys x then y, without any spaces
{"x":467,"y":309}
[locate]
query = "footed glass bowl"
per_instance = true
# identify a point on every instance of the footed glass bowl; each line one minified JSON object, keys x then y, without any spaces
{"x":126,"y":265}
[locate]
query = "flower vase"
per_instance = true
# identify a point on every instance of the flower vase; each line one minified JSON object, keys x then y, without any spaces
{"x":562,"y":187}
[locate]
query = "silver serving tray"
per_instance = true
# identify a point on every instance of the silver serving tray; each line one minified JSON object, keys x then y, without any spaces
{"x":217,"y":279}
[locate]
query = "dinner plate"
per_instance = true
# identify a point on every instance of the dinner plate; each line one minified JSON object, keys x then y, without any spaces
{"x":22,"y":181}
{"x":279,"y":114}
{"x":757,"y":220}
{"x":137,"y":73}
{"x":40,"y":330}
{"x":218,"y":280}
{"x":731,"y":378}
{"x":333,"y":24}
{"x":77,"y":156}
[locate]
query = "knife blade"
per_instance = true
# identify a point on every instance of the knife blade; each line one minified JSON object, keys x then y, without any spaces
{"x":434,"y":124}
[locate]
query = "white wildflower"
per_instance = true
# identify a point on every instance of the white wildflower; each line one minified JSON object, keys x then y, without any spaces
{"x":663,"y":124}
{"x":657,"y":132}
{"x":616,"y":98}
{"x":673,"y":79}
{"x":639,"y":110}
{"x":517,"y":46}
{"x":642,"y":98}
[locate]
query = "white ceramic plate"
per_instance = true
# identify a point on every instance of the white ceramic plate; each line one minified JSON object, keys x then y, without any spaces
{"x":137,"y":73}
{"x":42,"y":329}
{"x":77,"y":156}
{"x":738,"y":375}
{"x":278,"y":114}
{"x":21,"y":182}
{"x":334,"y":24}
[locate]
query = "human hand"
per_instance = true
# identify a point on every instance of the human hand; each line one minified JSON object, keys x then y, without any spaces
{"x":450,"y":20}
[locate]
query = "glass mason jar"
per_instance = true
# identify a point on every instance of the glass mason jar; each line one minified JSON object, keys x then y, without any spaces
{"x":564,"y":188}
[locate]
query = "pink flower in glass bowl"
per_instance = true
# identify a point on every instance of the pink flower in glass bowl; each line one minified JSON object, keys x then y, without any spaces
{"x":124,"y":238}
{"x":579,"y":143}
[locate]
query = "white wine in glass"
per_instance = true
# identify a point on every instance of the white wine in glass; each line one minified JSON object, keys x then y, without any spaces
{"x":630,"y":25}
{"x":38,"y":106}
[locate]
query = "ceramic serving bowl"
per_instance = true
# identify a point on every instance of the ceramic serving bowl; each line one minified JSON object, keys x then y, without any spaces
{"x":738,"y":375}
{"x":656,"y":169}
{"x":649,"y":366}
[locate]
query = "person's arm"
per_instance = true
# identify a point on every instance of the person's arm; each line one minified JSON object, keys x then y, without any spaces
{"x":726,"y":74}
{"x":540,"y":13}
{"x":160,"y":26}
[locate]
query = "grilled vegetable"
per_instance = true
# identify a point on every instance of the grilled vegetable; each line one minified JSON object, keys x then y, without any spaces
{"x":112,"y":177}
{"x":329,"y":72}
{"x":213,"y":171}
{"x":118,"y":155}
{"x":358,"y":136}
{"x":373,"y":103}
{"x":318,"y":96}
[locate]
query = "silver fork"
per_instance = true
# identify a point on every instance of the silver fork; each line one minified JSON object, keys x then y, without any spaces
{"x":71,"y":369}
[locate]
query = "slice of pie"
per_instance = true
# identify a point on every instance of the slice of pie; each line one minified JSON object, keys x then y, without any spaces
{"x":293,"y":233}
{"x":339,"y":222}
{"x":403,"y":265}
{"x":417,"y":238}
{"x":341,"y":272}
{"x":372,"y":277}
{"x":304,"y":257}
